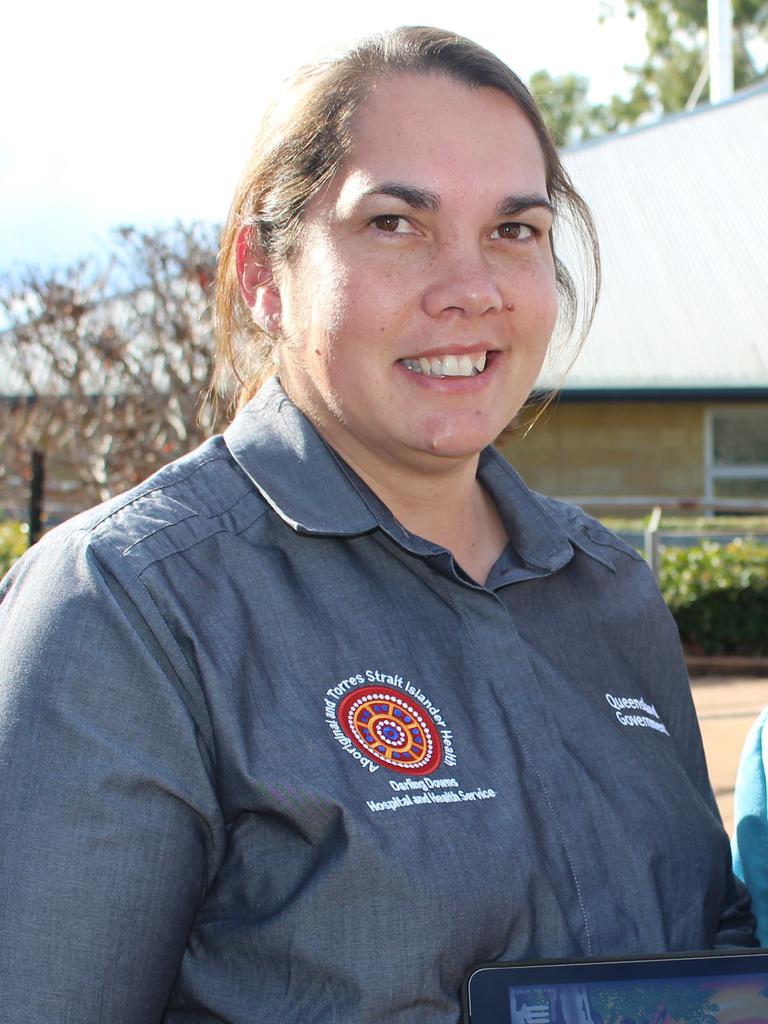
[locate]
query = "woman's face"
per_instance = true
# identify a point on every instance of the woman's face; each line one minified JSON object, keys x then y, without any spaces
{"x":418,"y":307}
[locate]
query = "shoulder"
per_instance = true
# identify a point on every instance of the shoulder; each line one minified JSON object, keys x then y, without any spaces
{"x":550,"y":528}
{"x":177,"y":508}
{"x":95,"y":568}
{"x":588,"y":533}
{"x":78,"y":612}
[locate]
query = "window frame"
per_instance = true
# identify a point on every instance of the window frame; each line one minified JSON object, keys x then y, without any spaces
{"x":714,"y":472}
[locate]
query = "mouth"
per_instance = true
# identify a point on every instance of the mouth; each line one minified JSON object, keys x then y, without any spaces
{"x":469,"y":365}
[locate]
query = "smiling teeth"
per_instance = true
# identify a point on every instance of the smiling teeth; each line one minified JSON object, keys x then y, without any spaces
{"x":448,"y":366}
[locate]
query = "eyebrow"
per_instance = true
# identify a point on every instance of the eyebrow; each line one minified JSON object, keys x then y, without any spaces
{"x":424,"y":199}
{"x":418,"y":198}
{"x":512,"y":205}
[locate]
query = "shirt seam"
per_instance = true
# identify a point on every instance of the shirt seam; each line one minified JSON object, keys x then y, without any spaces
{"x":134,"y":496}
{"x":181,"y":549}
{"x":193,"y":515}
{"x":529,"y":760}
{"x":208,"y":741}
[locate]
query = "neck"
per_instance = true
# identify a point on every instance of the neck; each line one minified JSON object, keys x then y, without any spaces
{"x":448,"y":506}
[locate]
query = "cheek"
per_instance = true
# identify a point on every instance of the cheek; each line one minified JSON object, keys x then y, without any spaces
{"x":549,"y":316}
{"x":332,"y":285}
{"x":314,"y":303}
{"x":540,"y":301}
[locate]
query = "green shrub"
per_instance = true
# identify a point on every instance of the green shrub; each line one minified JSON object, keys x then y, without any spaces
{"x":13,"y":544}
{"x":718,"y":594}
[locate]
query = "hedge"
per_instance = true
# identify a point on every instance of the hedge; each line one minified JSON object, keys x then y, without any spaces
{"x":718,"y":595}
{"x":13,"y":544}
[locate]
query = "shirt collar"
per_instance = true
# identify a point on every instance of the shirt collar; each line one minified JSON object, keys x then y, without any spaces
{"x":314,"y":492}
{"x":537,"y":537}
{"x":293,"y":468}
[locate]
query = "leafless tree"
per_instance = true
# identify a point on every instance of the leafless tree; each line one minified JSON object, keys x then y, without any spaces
{"x":103,"y":365}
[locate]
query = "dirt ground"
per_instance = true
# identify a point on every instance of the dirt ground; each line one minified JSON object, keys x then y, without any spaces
{"x":727,"y":707}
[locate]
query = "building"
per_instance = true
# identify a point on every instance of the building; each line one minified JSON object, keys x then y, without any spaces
{"x":669,"y":397}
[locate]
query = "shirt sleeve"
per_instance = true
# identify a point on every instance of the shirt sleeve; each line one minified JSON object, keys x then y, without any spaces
{"x":109,"y":821}
{"x":750,"y":814}
{"x":737,"y":923}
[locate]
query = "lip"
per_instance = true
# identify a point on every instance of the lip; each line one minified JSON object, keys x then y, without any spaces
{"x":439,"y":351}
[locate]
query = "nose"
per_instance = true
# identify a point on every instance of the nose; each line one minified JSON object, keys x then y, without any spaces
{"x":464,"y":281}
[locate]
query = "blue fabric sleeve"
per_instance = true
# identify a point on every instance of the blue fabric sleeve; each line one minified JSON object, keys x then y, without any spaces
{"x":750,"y":815}
{"x":107,"y":806}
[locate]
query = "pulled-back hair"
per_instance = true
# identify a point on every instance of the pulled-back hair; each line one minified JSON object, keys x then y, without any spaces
{"x":305,"y":137}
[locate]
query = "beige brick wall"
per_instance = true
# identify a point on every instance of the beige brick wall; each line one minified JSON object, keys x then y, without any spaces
{"x":613,"y":449}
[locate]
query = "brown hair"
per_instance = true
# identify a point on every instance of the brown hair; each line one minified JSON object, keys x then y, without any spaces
{"x":304,"y":139}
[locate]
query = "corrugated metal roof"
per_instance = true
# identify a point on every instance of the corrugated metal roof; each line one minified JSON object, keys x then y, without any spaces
{"x":682,"y":213}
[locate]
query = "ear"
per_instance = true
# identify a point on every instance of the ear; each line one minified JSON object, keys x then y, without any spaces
{"x":257,"y":283}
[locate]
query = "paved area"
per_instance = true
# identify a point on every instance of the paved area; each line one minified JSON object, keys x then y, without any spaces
{"x":726,"y":709}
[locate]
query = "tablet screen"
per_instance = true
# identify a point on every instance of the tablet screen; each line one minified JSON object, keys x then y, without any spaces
{"x":706,"y":988}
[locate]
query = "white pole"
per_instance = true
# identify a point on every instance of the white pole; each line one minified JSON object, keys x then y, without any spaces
{"x":720,"y":21}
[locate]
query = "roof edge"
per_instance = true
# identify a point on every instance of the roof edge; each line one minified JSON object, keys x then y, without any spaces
{"x":698,"y":111}
{"x":663,"y":394}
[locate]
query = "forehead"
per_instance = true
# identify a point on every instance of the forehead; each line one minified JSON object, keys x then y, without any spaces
{"x":433,"y":131}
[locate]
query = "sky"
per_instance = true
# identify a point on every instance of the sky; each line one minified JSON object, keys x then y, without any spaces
{"x":143,"y":113}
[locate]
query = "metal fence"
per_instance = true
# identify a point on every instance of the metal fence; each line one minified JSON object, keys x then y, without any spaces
{"x":653,"y":536}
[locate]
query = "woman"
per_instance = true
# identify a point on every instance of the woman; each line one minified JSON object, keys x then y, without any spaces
{"x":334,"y":708}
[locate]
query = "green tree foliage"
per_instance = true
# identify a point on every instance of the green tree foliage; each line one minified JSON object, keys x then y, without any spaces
{"x":570,"y":115}
{"x":665,"y":81}
{"x":564,"y":101}
{"x":677,"y":48}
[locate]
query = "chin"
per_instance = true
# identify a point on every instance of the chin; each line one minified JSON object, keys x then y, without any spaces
{"x":458,"y":440}
{"x":452,"y":447}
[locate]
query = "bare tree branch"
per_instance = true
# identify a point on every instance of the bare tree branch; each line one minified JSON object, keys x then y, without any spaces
{"x":103,"y":368}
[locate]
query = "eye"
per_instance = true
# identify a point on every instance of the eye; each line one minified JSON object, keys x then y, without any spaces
{"x":514,"y":230}
{"x":392,"y":224}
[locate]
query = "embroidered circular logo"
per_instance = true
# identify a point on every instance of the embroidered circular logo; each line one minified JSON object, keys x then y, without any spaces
{"x":391,"y":729}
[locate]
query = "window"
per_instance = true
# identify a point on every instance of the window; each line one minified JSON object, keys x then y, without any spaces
{"x":736,"y":452}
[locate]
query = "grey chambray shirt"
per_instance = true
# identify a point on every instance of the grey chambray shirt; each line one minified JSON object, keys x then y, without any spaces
{"x":266,"y":756}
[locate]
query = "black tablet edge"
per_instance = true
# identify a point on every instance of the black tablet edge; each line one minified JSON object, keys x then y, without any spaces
{"x":698,"y":956}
